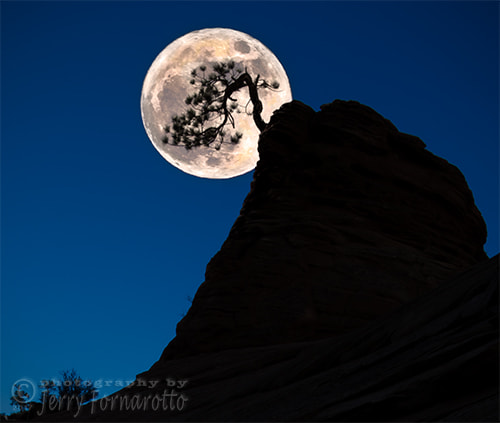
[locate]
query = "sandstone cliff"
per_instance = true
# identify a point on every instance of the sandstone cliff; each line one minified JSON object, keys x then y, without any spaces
{"x":347,"y":219}
{"x":352,"y":287}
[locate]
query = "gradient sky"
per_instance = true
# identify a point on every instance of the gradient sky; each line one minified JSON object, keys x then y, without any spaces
{"x":102,"y":240}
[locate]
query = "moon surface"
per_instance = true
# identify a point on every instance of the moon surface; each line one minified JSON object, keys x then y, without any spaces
{"x":167,"y":85}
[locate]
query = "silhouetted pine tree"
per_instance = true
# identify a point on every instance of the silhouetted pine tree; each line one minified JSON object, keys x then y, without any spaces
{"x":211,"y":107}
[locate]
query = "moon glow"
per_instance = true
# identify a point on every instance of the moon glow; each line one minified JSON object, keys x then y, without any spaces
{"x":167,"y":85}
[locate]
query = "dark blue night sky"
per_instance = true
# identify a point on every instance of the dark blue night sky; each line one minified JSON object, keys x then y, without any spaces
{"x":103,"y":240}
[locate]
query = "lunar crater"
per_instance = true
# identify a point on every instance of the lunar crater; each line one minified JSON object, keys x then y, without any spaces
{"x":242,"y":47}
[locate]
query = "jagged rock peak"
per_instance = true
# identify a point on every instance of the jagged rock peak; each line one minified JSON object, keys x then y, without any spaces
{"x":347,"y":219}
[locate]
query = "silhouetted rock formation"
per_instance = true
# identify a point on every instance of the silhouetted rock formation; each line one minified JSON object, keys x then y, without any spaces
{"x":352,"y":287}
{"x":347,"y":219}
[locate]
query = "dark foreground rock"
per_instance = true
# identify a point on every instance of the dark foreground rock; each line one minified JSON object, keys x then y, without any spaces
{"x":436,"y":359}
{"x":352,"y":287}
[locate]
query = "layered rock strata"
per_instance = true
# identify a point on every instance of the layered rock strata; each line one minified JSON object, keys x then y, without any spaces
{"x":435,"y":359}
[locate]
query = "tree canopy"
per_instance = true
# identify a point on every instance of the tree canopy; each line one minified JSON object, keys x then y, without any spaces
{"x":210,"y":108}
{"x":71,"y":387}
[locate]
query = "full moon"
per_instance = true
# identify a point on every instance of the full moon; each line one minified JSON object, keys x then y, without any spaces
{"x":167,"y":84}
